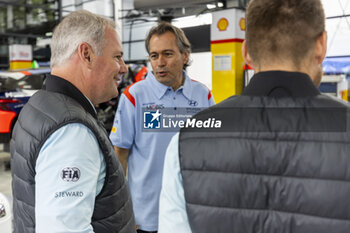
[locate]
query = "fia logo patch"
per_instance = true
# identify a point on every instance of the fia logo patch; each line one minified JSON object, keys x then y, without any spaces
{"x":70,"y":174}
{"x":151,"y":119}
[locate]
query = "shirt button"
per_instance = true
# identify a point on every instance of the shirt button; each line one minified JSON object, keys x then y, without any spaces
{"x":174,"y":98}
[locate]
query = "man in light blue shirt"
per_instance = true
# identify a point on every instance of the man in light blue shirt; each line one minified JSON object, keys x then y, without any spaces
{"x":149,"y":113}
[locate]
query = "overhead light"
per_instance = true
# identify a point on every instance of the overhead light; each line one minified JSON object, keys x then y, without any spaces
{"x":211,"y":6}
{"x":48,"y":34}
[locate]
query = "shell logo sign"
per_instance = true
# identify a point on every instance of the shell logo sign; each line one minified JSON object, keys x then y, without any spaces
{"x":222,"y":24}
{"x":242,"y":24}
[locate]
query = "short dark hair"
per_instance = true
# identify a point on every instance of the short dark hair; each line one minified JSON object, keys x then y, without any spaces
{"x":283,"y":29}
{"x":180,"y":37}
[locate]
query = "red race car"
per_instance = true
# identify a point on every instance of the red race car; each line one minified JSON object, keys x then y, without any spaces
{"x":15,"y":90}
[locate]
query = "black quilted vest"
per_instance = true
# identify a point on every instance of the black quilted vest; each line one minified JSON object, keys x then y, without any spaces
{"x":284,"y":171}
{"x":47,"y":111}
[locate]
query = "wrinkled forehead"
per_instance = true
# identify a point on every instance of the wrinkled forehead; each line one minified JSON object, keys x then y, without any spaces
{"x":163,"y":42}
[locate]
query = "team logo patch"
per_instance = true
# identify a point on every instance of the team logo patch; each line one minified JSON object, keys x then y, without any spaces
{"x":151,"y":119}
{"x":70,"y":174}
{"x":154,"y":106}
{"x":192,"y":103}
{"x":114,"y":129}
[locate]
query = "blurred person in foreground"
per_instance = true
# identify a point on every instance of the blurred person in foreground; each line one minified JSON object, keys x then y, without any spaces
{"x":140,"y":142}
{"x":65,"y":175}
{"x":279,"y":161}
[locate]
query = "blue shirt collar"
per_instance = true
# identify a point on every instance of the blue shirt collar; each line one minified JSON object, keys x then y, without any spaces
{"x":161,"y":89}
{"x":187,"y":87}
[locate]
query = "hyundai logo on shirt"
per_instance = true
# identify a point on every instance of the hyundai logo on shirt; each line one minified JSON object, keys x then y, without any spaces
{"x":70,"y":174}
{"x":192,"y":103}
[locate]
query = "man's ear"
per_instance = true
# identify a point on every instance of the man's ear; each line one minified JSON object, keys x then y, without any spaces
{"x":246,"y":55}
{"x":321,"y":47}
{"x":85,"y":53}
{"x":186,"y":57}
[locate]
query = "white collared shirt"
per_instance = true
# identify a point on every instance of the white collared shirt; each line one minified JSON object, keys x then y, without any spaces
{"x":172,"y":206}
{"x":70,"y":173}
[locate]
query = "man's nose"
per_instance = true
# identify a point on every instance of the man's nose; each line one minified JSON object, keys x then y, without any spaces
{"x":123,"y":69}
{"x":161,"y":61}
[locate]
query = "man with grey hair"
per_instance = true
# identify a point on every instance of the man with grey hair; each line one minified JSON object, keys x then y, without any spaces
{"x":66,"y":177}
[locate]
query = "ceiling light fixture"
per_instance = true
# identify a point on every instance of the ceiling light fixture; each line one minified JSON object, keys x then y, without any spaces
{"x":211,"y":6}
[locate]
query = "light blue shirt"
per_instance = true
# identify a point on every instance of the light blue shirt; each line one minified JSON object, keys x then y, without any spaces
{"x":147,"y":149}
{"x":70,"y":173}
{"x":172,"y":207}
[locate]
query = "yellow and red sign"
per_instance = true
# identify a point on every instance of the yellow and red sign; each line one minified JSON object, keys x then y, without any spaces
{"x":222,"y":24}
{"x":227,"y":35}
{"x":242,"y":24}
{"x":21,"y":56}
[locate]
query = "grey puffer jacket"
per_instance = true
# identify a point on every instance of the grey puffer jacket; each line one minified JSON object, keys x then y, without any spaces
{"x":43,"y":115}
{"x":281,"y":166}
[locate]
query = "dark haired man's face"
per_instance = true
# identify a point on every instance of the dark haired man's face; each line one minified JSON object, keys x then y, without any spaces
{"x":166,"y":59}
